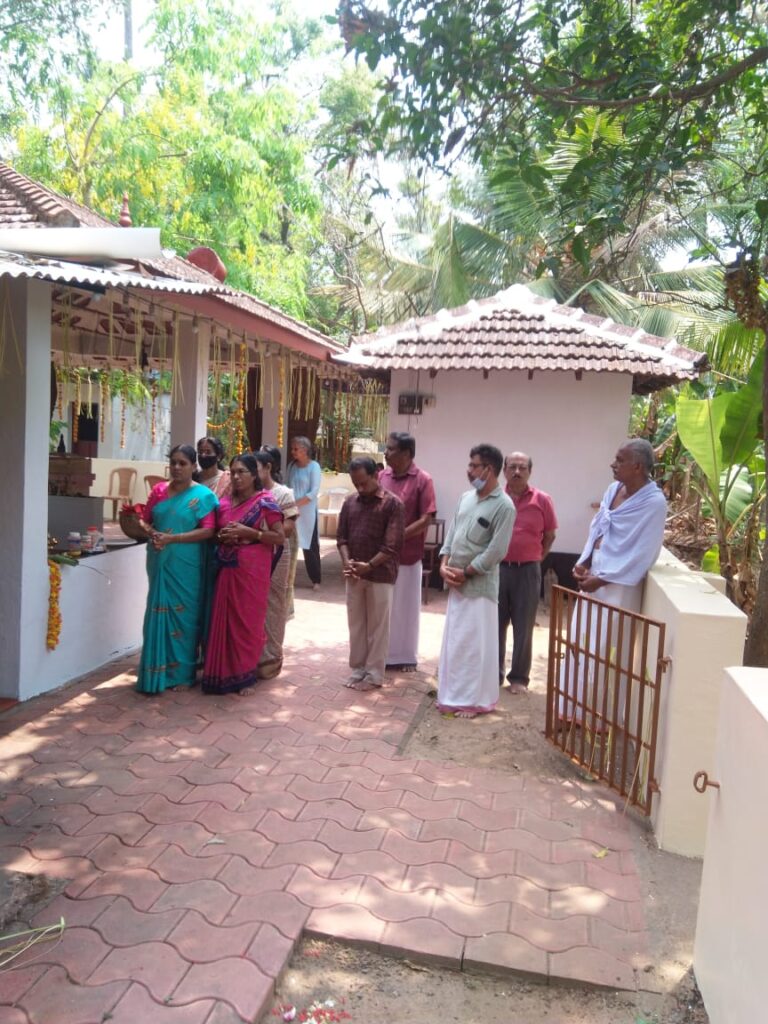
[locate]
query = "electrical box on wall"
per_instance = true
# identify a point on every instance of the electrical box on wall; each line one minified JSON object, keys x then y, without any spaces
{"x":409,"y":404}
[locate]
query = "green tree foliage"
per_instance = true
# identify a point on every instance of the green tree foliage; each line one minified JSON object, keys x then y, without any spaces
{"x":211,"y":145}
{"x":38,"y":40}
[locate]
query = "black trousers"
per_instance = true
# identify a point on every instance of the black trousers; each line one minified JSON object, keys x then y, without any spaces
{"x":312,"y":557}
{"x":519,"y":588}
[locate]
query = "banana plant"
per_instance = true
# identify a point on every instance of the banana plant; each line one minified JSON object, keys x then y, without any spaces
{"x":723,"y":435}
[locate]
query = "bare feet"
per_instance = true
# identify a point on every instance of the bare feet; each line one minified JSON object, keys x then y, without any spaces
{"x":406,"y":667}
{"x":465,"y":714}
{"x":362,"y":685}
{"x":247,"y":691}
{"x":518,"y":688}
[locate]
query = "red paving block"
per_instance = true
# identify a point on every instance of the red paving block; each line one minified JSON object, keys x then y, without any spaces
{"x":234,"y":981}
{"x":374,"y":863}
{"x":428,"y":809}
{"x":348,"y":923}
{"x":509,"y":839}
{"x":270,"y":950}
{"x":200,"y":942}
{"x":251,"y":846}
{"x":112,"y":855}
{"x":278,"y":829}
{"x":55,"y":998}
{"x":395,"y":904}
{"x":138,"y":1007}
{"x":242,"y":878}
{"x":619,"y":887}
{"x":226,"y":794}
{"x":423,"y":939}
{"x":350,"y":840}
{"x":14,"y":807}
{"x":217,"y":820}
{"x":74,"y":911}
{"x":547,"y":934}
{"x":515,"y":890}
{"x":550,"y":876}
{"x":354,"y":773}
{"x":284,"y":803}
{"x":173,"y":865}
{"x":79,"y":951}
{"x":331,"y":810}
{"x":486,"y":818}
{"x":70,"y":819}
{"x":461,"y":831}
{"x":281,"y":909}
{"x":157,"y":965}
{"x":372,"y":800}
{"x":160,"y":811}
{"x":582,"y":900}
{"x":306,"y":789}
{"x":630,"y":946}
{"x":412,"y":784}
{"x":465,"y":919}
{"x":211,"y":898}
{"x":189,"y":836}
{"x":104,"y":801}
{"x":128,"y":826}
{"x":121,"y":925}
{"x":545,"y":828}
{"x":409,"y":851}
{"x":313,"y":854}
{"x":142,"y":887}
{"x":314,"y":891}
{"x":588,"y":966}
{"x":16,"y":982}
{"x":502,"y":952}
{"x":441,"y":878}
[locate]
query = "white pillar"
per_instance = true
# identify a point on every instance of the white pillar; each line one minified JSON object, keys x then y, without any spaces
{"x":189,"y":403}
{"x":24,"y":422}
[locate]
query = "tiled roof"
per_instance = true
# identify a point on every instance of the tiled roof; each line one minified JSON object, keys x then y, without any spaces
{"x":27,"y":204}
{"x":517,"y":330}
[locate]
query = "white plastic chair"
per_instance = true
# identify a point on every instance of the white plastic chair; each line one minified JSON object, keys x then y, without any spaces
{"x":328,"y":517}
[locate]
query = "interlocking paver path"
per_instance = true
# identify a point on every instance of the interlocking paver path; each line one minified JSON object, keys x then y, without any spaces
{"x":200,"y":837}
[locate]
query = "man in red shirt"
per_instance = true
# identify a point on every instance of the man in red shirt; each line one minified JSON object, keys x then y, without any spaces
{"x":415,"y":489}
{"x":369,"y":537}
{"x":520,"y":571}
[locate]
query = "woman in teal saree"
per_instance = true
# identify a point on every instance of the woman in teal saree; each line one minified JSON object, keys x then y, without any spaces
{"x":180,"y":517}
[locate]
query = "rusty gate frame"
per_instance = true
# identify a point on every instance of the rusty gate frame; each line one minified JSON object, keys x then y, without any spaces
{"x":610,"y":728}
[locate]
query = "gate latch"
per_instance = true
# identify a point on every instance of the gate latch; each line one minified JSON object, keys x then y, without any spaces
{"x":701,"y":781}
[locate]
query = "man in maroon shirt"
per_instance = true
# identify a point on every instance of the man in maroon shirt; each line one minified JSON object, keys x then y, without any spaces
{"x":369,"y":537}
{"x":415,"y":489}
{"x":520,"y":571}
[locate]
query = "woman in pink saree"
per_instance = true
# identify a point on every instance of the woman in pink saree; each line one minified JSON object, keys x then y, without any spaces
{"x":249,"y":529}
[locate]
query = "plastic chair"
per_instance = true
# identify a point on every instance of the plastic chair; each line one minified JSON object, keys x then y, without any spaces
{"x":336,"y":496}
{"x":150,"y":481}
{"x":122,"y":490}
{"x":433,"y":541}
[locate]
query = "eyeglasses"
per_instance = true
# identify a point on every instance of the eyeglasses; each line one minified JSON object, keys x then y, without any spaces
{"x":477,"y":465}
{"x":523,"y":466}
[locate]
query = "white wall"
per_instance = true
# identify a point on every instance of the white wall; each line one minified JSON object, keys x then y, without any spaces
{"x":102,"y":612}
{"x":732,"y":927}
{"x":705,"y":634}
{"x":570,"y":428}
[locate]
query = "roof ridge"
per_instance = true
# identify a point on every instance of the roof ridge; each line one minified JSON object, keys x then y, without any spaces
{"x":48,"y":203}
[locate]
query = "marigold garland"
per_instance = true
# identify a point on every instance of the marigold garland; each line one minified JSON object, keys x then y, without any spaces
{"x":54,"y":607}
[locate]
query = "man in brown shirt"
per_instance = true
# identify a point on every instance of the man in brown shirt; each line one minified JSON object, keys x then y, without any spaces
{"x":369,"y":537}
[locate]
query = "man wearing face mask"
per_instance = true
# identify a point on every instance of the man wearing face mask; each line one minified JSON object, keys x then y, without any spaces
{"x":468,"y":673}
{"x":520,"y":570}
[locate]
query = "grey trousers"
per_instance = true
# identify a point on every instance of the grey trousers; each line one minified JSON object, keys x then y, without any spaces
{"x":519,"y":588}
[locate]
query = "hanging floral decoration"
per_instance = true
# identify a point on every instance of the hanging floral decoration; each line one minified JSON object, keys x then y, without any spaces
{"x":54,"y":607}
{"x":281,"y":407}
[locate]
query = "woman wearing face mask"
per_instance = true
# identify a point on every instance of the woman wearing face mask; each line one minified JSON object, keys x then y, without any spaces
{"x":180,"y":517}
{"x":212,"y":473}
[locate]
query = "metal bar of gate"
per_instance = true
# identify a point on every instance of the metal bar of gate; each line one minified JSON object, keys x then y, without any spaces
{"x":603,"y":699}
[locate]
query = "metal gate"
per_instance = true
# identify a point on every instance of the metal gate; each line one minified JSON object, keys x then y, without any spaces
{"x":604,"y":691}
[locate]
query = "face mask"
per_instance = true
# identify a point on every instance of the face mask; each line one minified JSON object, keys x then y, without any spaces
{"x":478,"y":483}
{"x":206,"y":461}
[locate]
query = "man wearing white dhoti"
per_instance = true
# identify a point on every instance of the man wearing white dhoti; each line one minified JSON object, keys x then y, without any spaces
{"x":478,"y":538}
{"x":624,"y":541}
{"x":415,"y":489}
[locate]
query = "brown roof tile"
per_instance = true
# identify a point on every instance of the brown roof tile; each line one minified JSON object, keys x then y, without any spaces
{"x":517,"y":330}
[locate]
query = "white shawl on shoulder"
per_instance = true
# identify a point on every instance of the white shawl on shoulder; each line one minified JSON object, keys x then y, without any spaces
{"x":632,"y":534}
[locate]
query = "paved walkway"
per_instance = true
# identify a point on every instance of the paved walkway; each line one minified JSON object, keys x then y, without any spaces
{"x":198,"y":838}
